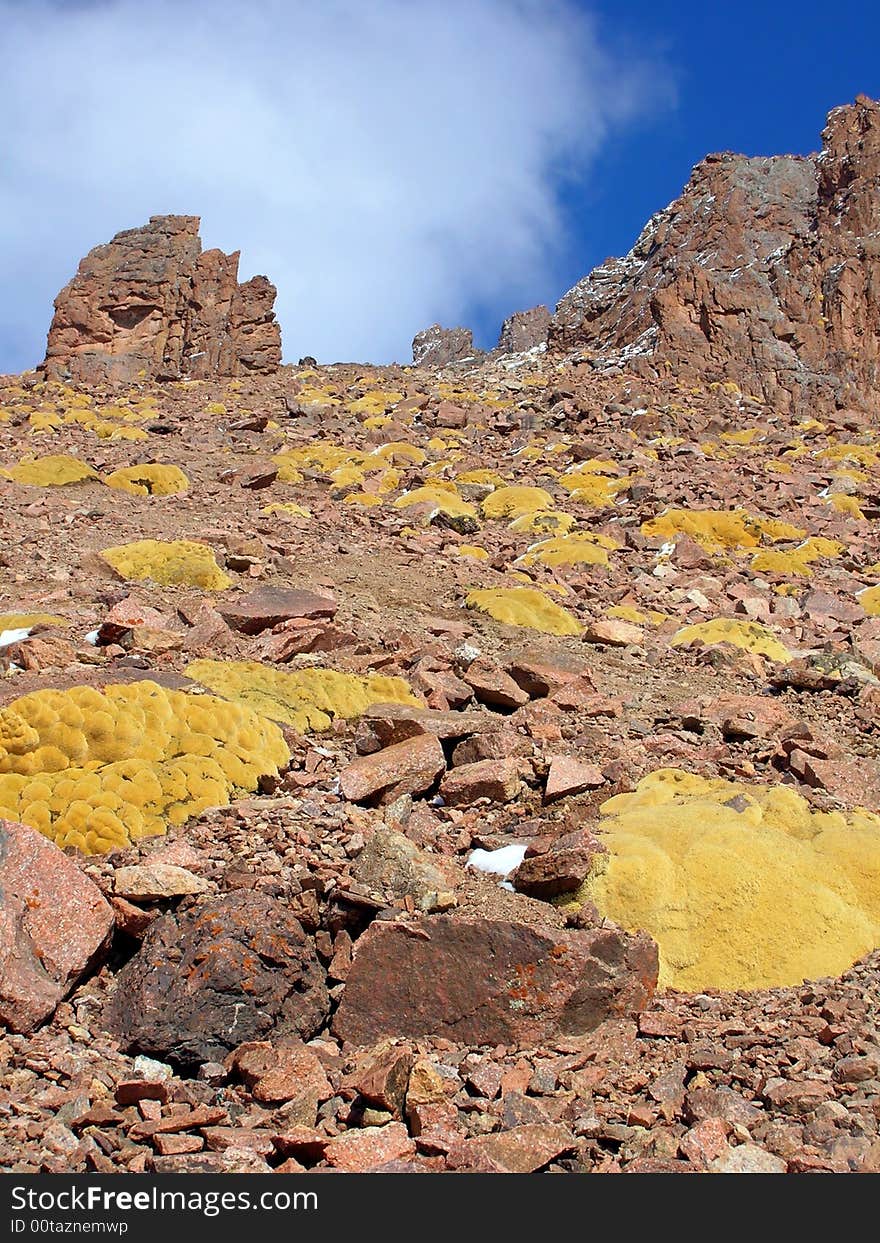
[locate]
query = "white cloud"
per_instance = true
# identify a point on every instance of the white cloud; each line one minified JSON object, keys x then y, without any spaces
{"x":387,"y":163}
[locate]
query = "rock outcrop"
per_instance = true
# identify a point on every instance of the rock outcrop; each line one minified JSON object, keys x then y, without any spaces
{"x":439,"y":347}
{"x":524,"y":330}
{"x":765,"y":272}
{"x":151,"y":304}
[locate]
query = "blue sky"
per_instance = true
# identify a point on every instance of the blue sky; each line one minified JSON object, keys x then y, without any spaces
{"x":391,"y":163}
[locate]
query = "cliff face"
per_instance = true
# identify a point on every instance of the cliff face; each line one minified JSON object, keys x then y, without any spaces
{"x":766,"y":272}
{"x":152,"y":304}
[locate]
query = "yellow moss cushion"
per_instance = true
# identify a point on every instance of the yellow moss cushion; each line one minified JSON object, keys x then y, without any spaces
{"x":749,"y":636}
{"x":741,"y":886}
{"x":24,"y":621}
{"x":580,"y":548}
{"x":523,"y":606}
{"x":151,"y":479}
{"x":514,"y":501}
{"x":55,"y":471}
{"x":173,"y":563}
{"x":307,"y":699}
{"x":442,"y":497}
{"x":101,"y":769}
{"x":718,"y":530}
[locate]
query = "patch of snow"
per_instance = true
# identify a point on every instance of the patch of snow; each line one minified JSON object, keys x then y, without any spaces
{"x":92,"y":637}
{"x":499,"y":862}
{"x":8,"y":637}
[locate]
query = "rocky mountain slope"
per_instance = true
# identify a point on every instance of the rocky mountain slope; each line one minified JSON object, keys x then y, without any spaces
{"x":301,"y":663}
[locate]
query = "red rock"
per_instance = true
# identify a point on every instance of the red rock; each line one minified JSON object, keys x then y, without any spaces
{"x":362,"y":1150}
{"x":55,"y":926}
{"x":521,"y":1150}
{"x":497,"y":780}
{"x":542,"y":673}
{"x":496,"y":744}
{"x":569,"y":775}
{"x":482,"y":981}
{"x":270,"y":606}
{"x":281,"y":1071}
{"x":152,"y":303}
{"x":524,"y":330}
{"x":491,"y":685}
{"x":561,"y":869}
{"x":436,"y":1127}
{"x":705,"y":1142}
{"x":797,"y":1096}
{"x":130,"y":1091}
{"x":408,"y":767}
{"x":302,"y":1142}
{"x":611,"y":632}
{"x":131,"y":920}
{"x":578,"y":697}
{"x":232,"y":1161}
{"x":857,"y":1069}
{"x":221,"y":1138}
{"x":778,"y":296}
{"x":382,"y":1077}
{"x":299,"y":635}
{"x":177,"y":1145}
{"x":383,"y":725}
{"x":659,"y":1023}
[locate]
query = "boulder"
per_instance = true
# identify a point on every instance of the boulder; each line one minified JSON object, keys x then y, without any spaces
{"x":484,"y":981}
{"x":269,"y":606}
{"x":408,"y":767}
{"x":224,"y":971}
{"x":55,"y":926}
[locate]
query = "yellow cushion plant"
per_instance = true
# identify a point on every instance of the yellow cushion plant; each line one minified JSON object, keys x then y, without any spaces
{"x":100,"y":769}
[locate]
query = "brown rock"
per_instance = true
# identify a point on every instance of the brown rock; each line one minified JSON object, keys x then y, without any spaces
{"x":283,"y":1071}
{"x":148,"y":882}
{"x":483,"y":981}
{"x":408,"y":767}
{"x":152,"y":303}
{"x":383,"y":725}
{"x":362,"y":1150}
{"x":55,"y":926}
{"x":491,"y":685}
{"x":270,"y":606}
{"x":496,"y":780}
{"x":394,"y":866}
{"x":521,"y":1150}
{"x":226,"y":970}
{"x":569,"y":775}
